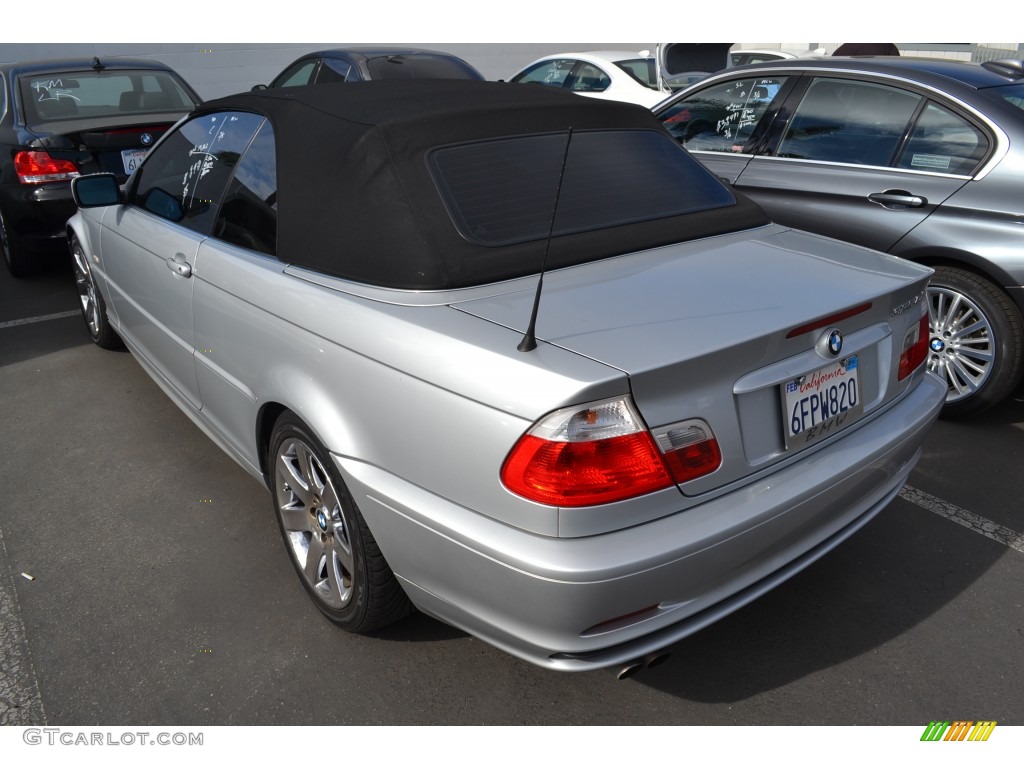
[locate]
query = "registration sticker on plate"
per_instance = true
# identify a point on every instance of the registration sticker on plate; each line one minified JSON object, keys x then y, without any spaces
{"x":821,"y":402}
{"x":132,"y":158}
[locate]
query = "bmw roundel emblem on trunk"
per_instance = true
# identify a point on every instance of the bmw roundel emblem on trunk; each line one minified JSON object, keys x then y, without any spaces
{"x":834,"y":342}
{"x":146,"y":139}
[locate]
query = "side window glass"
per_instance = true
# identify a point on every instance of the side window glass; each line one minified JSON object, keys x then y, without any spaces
{"x":846,"y":121}
{"x":943,"y":142}
{"x":184,"y":178}
{"x":590,"y":79}
{"x":552,"y":72}
{"x":722,"y":118}
{"x":299,"y":73}
{"x":334,"y":71}
{"x":248,"y":216}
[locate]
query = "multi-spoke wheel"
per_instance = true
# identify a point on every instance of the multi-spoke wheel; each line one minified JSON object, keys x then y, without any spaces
{"x":330,"y":545}
{"x":94,"y":310}
{"x":976,"y":340}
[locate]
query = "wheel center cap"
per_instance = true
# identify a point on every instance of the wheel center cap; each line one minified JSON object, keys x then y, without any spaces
{"x":937,"y":345}
{"x":321,"y":519}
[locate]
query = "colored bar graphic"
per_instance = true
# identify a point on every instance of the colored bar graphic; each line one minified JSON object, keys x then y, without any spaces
{"x":935,"y":730}
{"x":960,"y":730}
{"x":982,"y":730}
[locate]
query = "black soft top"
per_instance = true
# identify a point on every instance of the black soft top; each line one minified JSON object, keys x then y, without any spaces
{"x":357,"y":191}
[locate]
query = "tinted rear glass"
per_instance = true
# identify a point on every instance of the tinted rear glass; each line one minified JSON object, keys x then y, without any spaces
{"x":420,"y":65}
{"x":73,"y":95}
{"x":641,"y":70}
{"x":502,"y":192}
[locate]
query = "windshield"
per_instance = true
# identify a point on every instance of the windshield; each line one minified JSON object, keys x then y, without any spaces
{"x":641,"y":70}
{"x":76,"y":95}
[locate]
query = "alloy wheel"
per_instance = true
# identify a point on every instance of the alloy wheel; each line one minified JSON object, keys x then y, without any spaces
{"x":315,"y":523}
{"x":962,"y":345}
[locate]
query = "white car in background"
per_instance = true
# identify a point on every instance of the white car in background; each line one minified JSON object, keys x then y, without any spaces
{"x":620,"y":75}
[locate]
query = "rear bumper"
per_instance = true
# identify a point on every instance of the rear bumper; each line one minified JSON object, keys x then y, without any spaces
{"x":550,"y":600}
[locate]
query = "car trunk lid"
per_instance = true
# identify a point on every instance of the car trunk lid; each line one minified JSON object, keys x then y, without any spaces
{"x":716,"y":329}
{"x":108,"y":145}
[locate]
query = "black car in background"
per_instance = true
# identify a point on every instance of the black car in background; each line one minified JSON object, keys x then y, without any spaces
{"x":349,"y":65}
{"x":63,"y":118}
{"x":920,"y":158}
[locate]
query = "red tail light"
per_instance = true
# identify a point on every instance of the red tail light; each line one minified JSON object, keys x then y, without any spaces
{"x":36,"y":167}
{"x":691,"y":450}
{"x":915,"y":348}
{"x":578,"y":457}
{"x":600,"y":453}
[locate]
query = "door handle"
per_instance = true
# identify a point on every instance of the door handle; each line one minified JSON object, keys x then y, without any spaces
{"x":898,"y":198}
{"x":179,"y":266}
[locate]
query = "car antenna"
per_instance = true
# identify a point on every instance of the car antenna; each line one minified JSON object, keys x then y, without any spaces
{"x":97,"y":65}
{"x":529,"y":341}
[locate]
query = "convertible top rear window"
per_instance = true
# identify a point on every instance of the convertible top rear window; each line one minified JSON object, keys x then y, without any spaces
{"x":503,"y":191}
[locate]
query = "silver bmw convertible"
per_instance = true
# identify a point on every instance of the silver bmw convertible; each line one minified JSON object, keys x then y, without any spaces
{"x":510,"y":357}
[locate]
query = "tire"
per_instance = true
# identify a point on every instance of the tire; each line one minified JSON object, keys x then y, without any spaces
{"x":977,"y":341}
{"x":17,"y":261}
{"x":94,"y":309}
{"x":331,"y":547}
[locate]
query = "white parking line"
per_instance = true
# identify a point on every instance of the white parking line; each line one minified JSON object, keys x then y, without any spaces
{"x":976,"y":523}
{"x":39,"y":319}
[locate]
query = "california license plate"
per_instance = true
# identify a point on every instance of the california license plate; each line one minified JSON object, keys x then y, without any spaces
{"x":820,"y":403}
{"x":132,"y":158}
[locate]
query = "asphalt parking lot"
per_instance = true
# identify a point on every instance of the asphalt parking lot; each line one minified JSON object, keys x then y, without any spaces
{"x":143,"y":581}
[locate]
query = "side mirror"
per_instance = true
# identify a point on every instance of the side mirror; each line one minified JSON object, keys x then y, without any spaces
{"x":95,"y":190}
{"x":258,"y":87}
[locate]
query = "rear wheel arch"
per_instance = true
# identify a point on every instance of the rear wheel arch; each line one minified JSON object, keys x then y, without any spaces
{"x":955,"y":257}
{"x":320,"y":415}
{"x":266,"y":418}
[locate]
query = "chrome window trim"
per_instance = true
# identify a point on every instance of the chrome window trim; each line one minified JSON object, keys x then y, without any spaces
{"x":886,"y":168}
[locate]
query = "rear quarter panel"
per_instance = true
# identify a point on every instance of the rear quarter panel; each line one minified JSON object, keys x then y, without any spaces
{"x":424,"y":392}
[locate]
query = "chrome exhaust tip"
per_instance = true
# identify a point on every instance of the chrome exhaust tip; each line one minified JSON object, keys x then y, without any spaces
{"x":647,"y":662}
{"x":630,"y":669}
